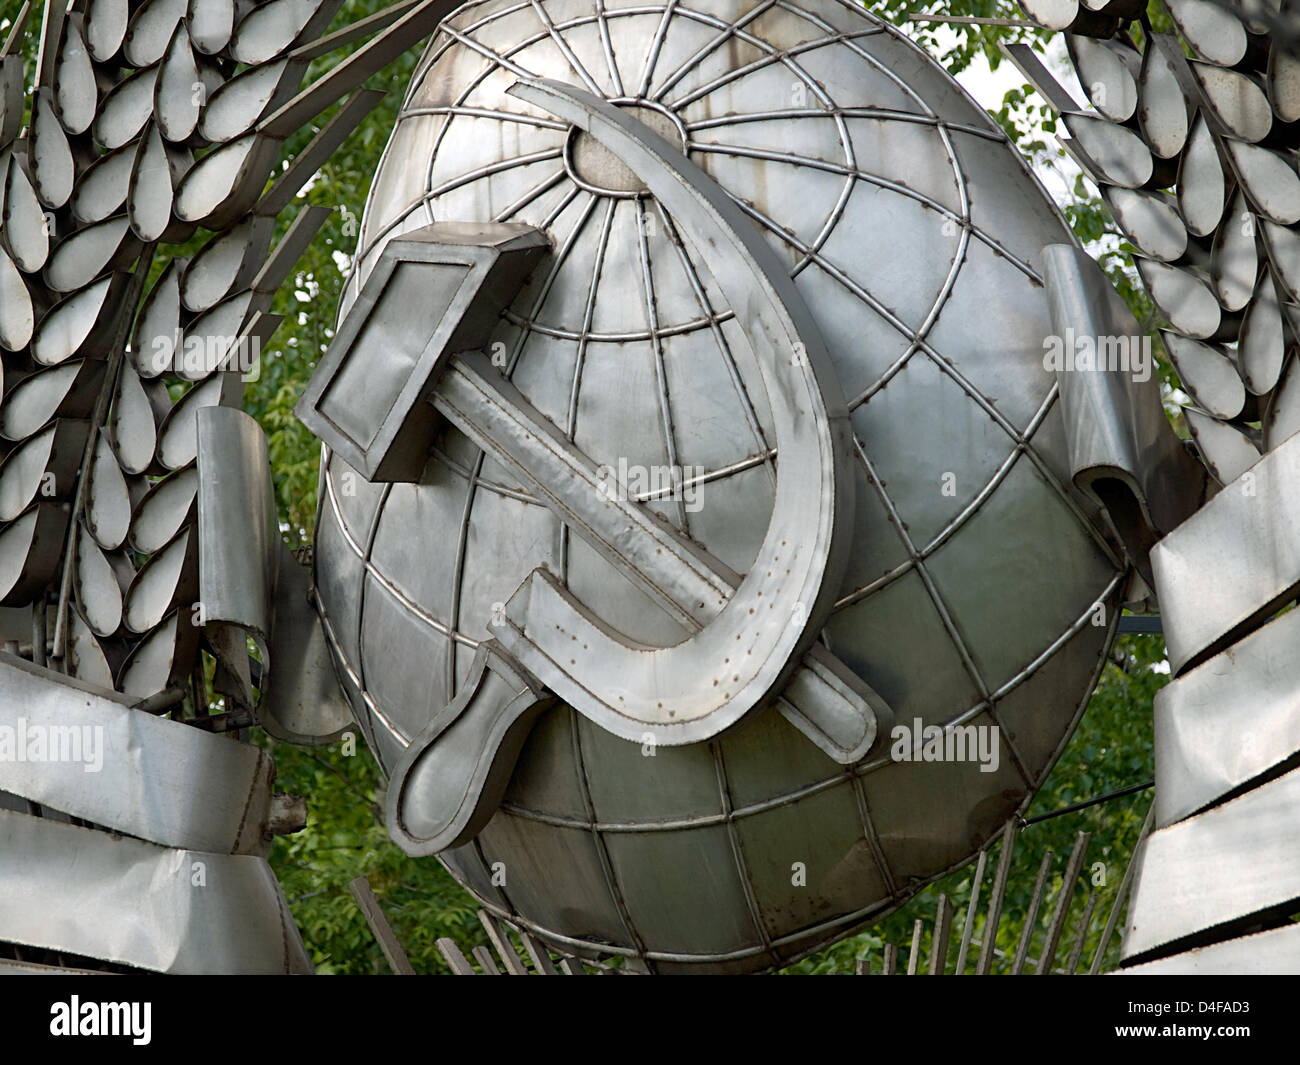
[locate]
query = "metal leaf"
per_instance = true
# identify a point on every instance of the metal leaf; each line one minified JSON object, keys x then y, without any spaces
{"x":98,"y":593}
{"x":178,"y":95}
{"x":17,"y":316}
{"x":1183,"y":297}
{"x":1108,"y":73}
{"x":1162,"y":107}
{"x":11,"y":99}
{"x":1269,"y":179}
{"x":80,"y":258}
{"x":1202,"y":185}
{"x":75,"y":91}
{"x":134,"y":433}
{"x":53,"y":172}
{"x":150,"y":30}
{"x":125,"y":110}
{"x":1208,"y":374}
{"x":1236,"y":100}
{"x":68,"y":390}
{"x":169,"y":504}
{"x":166,"y":580}
{"x":86,"y":656}
{"x":1262,"y":347}
{"x":160,"y":658}
{"x":65,"y":329}
{"x":1227,"y":452}
{"x":106,"y":22}
{"x":101,"y":189}
{"x":177,"y":436}
{"x":1053,"y":14}
{"x":1234,"y":258}
{"x":211,"y":337}
{"x":226,"y":182}
{"x":268,"y":30}
{"x":149,"y":203}
{"x":158,"y":334}
{"x":1214,"y":32}
{"x":1149,"y":220}
{"x":26,"y":228}
{"x":238,"y":105}
{"x":228,"y":259}
{"x":1118,"y":154}
{"x":30,"y":549}
{"x":108,"y":502}
{"x":45,"y":465}
{"x":211,"y":23}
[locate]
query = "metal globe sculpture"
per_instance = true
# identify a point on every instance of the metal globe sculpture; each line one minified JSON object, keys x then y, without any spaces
{"x":980,"y":587}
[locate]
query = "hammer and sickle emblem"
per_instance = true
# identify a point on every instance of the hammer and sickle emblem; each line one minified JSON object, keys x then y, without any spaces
{"x":753,"y":639}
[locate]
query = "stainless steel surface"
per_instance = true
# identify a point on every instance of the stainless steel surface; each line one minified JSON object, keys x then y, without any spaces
{"x":1255,"y":832}
{"x":133,"y":773}
{"x":1228,"y":721}
{"x":1238,"y":554}
{"x":629,"y":346}
{"x":183,"y":912}
{"x":1273,"y":953}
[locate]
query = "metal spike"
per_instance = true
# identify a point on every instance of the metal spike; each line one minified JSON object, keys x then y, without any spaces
{"x":914,"y":954}
{"x":1085,"y":923}
{"x":538,"y":953}
{"x":16,"y":30}
{"x":485,"y":961}
{"x":989,"y":940}
{"x":1047,"y":957}
{"x":11,"y":100}
{"x":1031,"y":916}
{"x":500,"y":940}
{"x":939,"y":940}
{"x":456,"y":961}
{"x":969,"y":926}
{"x":890,"y":961}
